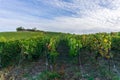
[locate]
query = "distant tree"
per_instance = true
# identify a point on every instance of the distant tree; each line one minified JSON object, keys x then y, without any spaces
{"x":34,"y":29}
{"x":20,"y":28}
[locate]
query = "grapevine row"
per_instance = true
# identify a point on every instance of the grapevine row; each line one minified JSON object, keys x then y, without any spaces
{"x":16,"y":51}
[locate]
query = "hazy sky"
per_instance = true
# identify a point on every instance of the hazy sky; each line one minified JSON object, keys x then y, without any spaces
{"x":75,"y":16}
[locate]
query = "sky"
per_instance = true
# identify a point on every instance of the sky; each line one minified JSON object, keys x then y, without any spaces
{"x":69,"y":16}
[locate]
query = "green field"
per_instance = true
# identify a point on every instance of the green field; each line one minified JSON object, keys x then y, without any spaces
{"x":19,"y":35}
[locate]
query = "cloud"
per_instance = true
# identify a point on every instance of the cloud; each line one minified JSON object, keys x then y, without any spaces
{"x":74,"y":16}
{"x":97,"y":15}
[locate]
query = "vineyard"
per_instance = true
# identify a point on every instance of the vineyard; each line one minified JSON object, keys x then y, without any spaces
{"x":87,"y":56}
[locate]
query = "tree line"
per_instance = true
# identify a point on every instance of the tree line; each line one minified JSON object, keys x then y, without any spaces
{"x":23,"y":29}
